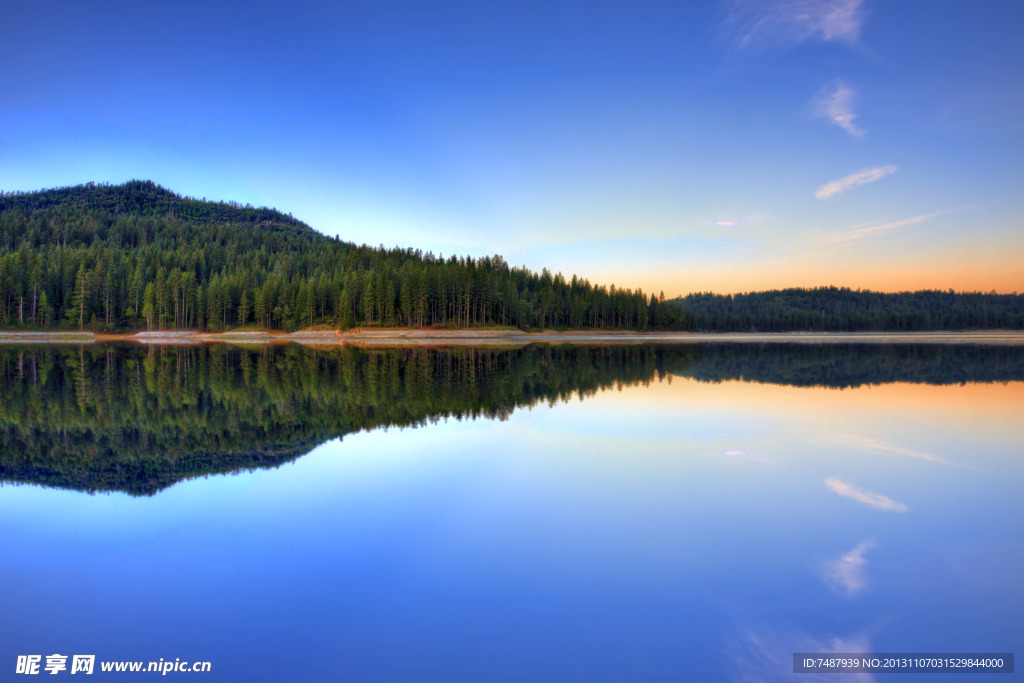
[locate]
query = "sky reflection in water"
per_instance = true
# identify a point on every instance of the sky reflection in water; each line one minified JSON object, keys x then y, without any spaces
{"x":679,"y":531}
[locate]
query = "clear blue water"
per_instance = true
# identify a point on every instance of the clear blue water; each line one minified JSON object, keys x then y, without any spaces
{"x":671,"y":530}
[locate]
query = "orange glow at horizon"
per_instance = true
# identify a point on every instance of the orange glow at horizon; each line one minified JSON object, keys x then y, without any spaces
{"x":1000,"y":278}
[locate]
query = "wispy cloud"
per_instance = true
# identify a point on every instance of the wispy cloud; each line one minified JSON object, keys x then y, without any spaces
{"x":835,"y":103}
{"x":736,"y":222}
{"x":845,"y":575}
{"x":873,"y":500}
{"x":786,"y":23}
{"x":854,"y":234}
{"x":868,"y":175}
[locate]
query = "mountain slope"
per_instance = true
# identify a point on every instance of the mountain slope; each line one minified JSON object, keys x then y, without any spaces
{"x":137,"y":256}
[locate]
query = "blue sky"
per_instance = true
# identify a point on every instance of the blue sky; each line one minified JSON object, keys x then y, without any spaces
{"x":726,"y":146}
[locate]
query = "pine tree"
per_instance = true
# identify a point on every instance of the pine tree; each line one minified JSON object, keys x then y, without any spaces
{"x":75,"y":309}
{"x":149,"y":305}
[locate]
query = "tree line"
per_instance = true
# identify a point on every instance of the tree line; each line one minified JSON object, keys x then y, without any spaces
{"x":836,"y":309}
{"x":137,"y":256}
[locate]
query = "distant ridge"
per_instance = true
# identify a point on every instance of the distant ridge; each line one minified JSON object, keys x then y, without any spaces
{"x":841,"y":309}
{"x":137,"y":256}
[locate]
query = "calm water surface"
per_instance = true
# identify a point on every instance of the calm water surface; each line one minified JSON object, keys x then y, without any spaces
{"x":542,"y":514}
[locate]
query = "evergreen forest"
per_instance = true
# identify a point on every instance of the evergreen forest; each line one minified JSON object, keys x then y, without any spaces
{"x":130,"y":257}
{"x":841,"y":309}
{"x":139,"y":257}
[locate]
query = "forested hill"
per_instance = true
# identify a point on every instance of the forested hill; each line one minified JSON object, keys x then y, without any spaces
{"x":843,"y":309}
{"x":137,"y":256}
{"x":146,"y":200}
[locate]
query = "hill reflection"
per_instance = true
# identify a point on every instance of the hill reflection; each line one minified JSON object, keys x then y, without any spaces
{"x":139,"y":419}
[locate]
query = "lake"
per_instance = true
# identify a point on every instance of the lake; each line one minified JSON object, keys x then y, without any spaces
{"x":536,"y":513}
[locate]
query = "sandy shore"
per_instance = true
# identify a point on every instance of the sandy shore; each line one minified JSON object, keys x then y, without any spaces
{"x":426,"y":337}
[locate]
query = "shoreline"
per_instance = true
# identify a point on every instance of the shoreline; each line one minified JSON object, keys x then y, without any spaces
{"x":404,"y":337}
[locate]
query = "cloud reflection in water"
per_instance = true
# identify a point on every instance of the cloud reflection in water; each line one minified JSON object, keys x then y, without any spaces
{"x":764,"y":654}
{"x":845,"y":575}
{"x":874,"y":500}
